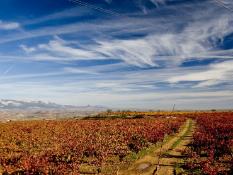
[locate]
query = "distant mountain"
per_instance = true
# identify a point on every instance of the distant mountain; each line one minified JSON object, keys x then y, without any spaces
{"x":16,"y":104}
{"x":39,"y":105}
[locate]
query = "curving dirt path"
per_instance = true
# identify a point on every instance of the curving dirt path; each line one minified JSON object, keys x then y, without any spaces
{"x":164,"y":159}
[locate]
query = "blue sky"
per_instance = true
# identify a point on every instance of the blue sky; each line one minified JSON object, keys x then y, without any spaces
{"x":118,"y":53}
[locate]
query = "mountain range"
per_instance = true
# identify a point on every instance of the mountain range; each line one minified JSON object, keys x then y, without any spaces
{"x":7,"y":104}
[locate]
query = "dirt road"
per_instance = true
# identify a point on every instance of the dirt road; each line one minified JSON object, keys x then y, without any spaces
{"x":164,"y":159}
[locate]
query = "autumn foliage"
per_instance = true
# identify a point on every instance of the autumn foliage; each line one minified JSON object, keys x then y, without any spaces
{"x":60,"y":147}
{"x":212,"y":144}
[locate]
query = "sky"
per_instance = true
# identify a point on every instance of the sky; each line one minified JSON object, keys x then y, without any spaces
{"x":146,"y":54}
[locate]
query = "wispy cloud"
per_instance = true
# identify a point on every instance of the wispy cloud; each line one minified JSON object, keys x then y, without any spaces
{"x":130,"y":51}
{"x":217,"y":73}
{"x":61,"y":15}
{"x":155,"y":100}
{"x":169,"y":41}
{"x":27,"y":49}
{"x":143,"y":5}
{"x":79,"y":71}
{"x":9,"y":25}
{"x":134,"y":59}
{"x":60,"y":47}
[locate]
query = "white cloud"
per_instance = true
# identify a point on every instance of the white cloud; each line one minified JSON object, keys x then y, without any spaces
{"x":27,"y":49}
{"x":136,"y":52}
{"x":58,"y":47}
{"x":169,"y":41}
{"x":172,"y":48}
{"x":216,"y":74}
{"x":119,"y":89}
{"x":67,"y":13}
{"x":78,"y":94}
{"x":79,"y":71}
{"x":9,"y":25}
{"x":132,"y":52}
{"x":186,"y":32}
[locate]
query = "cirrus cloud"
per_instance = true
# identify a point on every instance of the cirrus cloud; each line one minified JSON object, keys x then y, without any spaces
{"x":9,"y":25}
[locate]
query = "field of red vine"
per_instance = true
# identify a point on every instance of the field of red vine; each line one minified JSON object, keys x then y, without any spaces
{"x":60,"y":147}
{"x":212,"y":147}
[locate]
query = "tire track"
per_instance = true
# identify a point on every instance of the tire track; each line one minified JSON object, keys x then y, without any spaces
{"x":163,"y":160}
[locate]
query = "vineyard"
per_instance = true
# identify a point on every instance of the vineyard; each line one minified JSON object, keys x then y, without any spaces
{"x":58,"y":147}
{"x":103,"y":145}
{"x":211,"y":149}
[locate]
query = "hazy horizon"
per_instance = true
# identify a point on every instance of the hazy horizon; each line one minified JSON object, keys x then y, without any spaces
{"x":121,"y":54}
